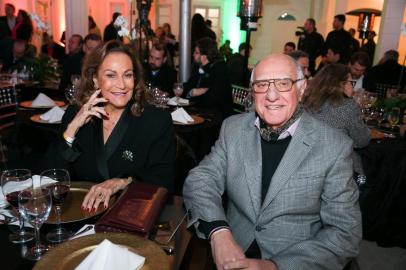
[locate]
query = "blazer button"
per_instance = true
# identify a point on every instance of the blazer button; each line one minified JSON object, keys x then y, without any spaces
{"x":259,"y":228}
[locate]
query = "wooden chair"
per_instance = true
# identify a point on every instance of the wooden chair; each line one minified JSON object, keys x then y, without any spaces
{"x":240,"y":94}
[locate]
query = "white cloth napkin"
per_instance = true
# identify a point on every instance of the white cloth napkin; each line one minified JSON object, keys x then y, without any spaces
{"x":54,"y":115}
{"x":109,"y":256}
{"x":180,"y":115}
{"x":16,"y":186}
{"x":174,"y":102}
{"x":43,"y":100}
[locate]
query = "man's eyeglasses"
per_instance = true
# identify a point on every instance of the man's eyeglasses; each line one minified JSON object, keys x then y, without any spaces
{"x":281,"y":85}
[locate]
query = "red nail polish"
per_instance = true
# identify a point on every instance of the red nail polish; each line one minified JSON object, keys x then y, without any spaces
{"x":94,"y":209}
{"x":105,"y":207}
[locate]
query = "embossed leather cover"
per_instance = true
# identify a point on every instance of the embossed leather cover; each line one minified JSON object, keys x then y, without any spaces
{"x":135,"y":211}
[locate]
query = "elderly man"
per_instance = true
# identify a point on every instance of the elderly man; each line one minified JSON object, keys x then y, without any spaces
{"x":292,"y":202}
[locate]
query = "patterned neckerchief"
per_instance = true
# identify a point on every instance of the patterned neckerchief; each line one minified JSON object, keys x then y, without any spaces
{"x":269,"y":134}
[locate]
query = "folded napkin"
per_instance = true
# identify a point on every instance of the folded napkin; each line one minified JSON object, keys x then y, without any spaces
{"x":16,"y":186}
{"x":174,"y":102}
{"x":109,"y":256}
{"x":54,"y":115}
{"x":180,"y":115}
{"x":43,"y":101}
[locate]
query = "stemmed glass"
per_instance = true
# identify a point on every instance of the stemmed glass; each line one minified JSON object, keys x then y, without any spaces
{"x":380,"y":115}
{"x":35,"y":206}
{"x":13,"y":182}
{"x":393,"y":117}
{"x":178,"y":91}
{"x":57,"y":181}
{"x":70,"y":91}
{"x":248,"y":102}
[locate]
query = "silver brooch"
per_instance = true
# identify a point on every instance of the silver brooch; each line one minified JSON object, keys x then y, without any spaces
{"x":127,"y":155}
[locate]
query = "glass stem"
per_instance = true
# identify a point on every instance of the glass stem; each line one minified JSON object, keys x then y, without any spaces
{"x":37,"y":239}
{"x":21,"y":223}
{"x":58,"y":219}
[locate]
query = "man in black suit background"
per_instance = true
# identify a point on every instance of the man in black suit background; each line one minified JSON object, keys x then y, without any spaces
{"x":9,"y":21}
{"x":340,"y":38}
{"x":157,"y":72}
{"x":110,"y":32}
{"x":51,"y":48}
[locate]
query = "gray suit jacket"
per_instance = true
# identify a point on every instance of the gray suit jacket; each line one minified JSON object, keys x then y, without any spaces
{"x":310,"y":218}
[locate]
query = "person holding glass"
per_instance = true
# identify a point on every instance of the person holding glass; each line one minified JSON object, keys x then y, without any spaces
{"x":328,"y":98}
{"x":111,"y":136}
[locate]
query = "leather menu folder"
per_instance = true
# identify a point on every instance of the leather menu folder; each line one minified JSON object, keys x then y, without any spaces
{"x":135,"y":211}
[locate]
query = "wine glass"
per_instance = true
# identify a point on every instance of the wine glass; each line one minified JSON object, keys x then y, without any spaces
{"x":57,"y":181}
{"x":13,"y":182}
{"x":393,"y":117}
{"x":35,"y":206}
{"x":248,"y":102}
{"x":70,"y":91}
{"x":178,"y":91}
{"x":380,"y":115}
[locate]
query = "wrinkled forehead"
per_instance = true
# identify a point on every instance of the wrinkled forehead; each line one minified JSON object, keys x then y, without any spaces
{"x":275,"y":67}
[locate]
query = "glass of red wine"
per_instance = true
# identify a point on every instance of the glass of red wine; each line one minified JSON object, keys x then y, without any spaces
{"x":13,"y":182}
{"x":57,"y":181}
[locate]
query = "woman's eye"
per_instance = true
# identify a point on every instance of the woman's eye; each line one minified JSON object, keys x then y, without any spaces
{"x":129,"y":75}
{"x":110,"y":75}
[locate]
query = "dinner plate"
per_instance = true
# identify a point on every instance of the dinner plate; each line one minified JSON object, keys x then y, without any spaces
{"x":182,"y":104}
{"x":71,"y":207}
{"x":28,"y":104}
{"x":37,"y":119}
{"x":197,"y":120}
{"x":68,"y":255}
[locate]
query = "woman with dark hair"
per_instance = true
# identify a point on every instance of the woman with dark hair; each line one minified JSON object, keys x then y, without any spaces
{"x":93,"y":29}
{"x":328,"y":98}
{"x":23,"y":28}
{"x":111,"y":135}
{"x":200,"y":30}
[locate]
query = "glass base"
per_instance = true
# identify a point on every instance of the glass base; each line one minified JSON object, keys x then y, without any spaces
{"x":35,"y":253}
{"x":21,"y":237}
{"x":58,"y":235}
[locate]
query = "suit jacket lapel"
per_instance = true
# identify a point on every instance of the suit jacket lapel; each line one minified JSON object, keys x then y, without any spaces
{"x":118,"y":133}
{"x":252,"y":156}
{"x":101,"y":160}
{"x":300,"y":145}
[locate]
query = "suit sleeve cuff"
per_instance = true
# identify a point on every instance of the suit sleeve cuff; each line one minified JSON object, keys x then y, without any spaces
{"x":208,"y":228}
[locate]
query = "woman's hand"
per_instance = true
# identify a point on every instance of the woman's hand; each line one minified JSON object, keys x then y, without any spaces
{"x":102,"y":192}
{"x":88,"y":110}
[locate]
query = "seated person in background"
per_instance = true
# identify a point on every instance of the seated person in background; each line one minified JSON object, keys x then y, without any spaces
{"x":289,"y":47}
{"x":73,"y":61}
{"x":236,"y":67}
{"x":21,"y":57}
{"x":388,"y":71}
{"x":302,"y":59}
{"x":157,"y":72}
{"x":333,"y":56}
{"x":111,"y":135}
{"x":292,"y":202}
{"x":209,"y":84}
{"x":51,"y":48}
{"x":359,"y":63}
{"x":328,"y":98}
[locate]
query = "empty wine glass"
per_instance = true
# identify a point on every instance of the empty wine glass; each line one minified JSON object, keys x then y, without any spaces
{"x":380,"y":115}
{"x":57,"y":181}
{"x":35,"y":206}
{"x":178,"y":91}
{"x":13,"y":182}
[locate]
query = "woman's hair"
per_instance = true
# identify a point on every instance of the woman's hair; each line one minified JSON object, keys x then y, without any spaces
{"x":167,"y":26}
{"x":327,"y":85}
{"x":91,"y":65}
{"x":27,"y":22}
{"x":92,"y":23}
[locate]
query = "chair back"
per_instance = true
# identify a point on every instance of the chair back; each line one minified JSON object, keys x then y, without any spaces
{"x":8,"y":115}
{"x":386,"y":90}
{"x":185,"y":161}
{"x":240,"y":94}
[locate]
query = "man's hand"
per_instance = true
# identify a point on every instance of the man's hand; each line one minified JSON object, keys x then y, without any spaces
{"x":199,"y":91}
{"x":225,"y":249}
{"x":251,"y":264}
